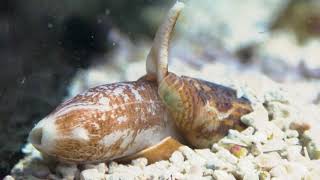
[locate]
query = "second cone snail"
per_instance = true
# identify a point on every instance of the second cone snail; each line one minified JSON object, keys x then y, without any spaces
{"x":141,"y":118}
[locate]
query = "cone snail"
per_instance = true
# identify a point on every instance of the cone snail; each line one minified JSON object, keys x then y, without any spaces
{"x":144,"y":117}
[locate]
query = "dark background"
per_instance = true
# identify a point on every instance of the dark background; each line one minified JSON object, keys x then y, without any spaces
{"x":42,"y":45}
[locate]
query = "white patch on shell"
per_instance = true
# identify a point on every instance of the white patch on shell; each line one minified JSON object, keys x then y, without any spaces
{"x":91,"y":94}
{"x":137,"y":95}
{"x":112,"y":138}
{"x":125,"y":97}
{"x":104,"y":101}
{"x":220,"y":116}
{"x":74,"y":107}
{"x":49,"y":134}
{"x":121,"y":119}
{"x":118,"y":91}
{"x":148,"y":137}
{"x":153,"y":107}
{"x":96,"y":125}
{"x":80,"y":133}
{"x":103,"y":117}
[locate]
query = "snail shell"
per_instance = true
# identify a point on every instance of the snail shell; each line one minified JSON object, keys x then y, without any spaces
{"x":104,"y":123}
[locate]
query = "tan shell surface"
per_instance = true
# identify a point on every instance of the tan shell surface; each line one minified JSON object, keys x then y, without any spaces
{"x":202,"y":111}
{"x":107,"y":122}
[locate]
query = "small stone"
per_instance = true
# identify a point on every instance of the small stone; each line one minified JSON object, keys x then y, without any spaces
{"x":313,"y":150}
{"x":8,"y":178}
{"x":259,"y":120}
{"x":299,"y":126}
{"x":312,"y":175}
{"x":192,"y":156}
{"x":141,"y":162}
{"x":268,"y":161}
{"x":227,"y":142}
{"x":238,"y":151}
{"x":226,"y":156}
{"x":176,"y":157}
{"x":196,"y":171}
{"x":296,"y":170}
{"x":292,"y":141}
{"x":102,"y":168}
{"x":208,"y":172}
{"x":246,"y":166}
{"x":294,"y":153}
{"x":292,"y":133}
{"x":256,"y":118}
{"x":278,"y":171}
{"x":41,"y":172}
{"x":256,"y":149}
{"x":67,"y":171}
{"x":91,"y":174}
{"x":280,"y":114}
{"x":273,"y":145}
{"x":112,"y":166}
{"x":222,"y":175}
{"x":264,"y":175}
{"x":276,"y":94}
{"x":212,"y":160}
{"x":251,"y":176}
{"x":260,"y":137}
{"x":249,"y":131}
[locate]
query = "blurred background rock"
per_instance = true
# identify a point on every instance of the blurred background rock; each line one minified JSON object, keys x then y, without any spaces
{"x":54,"y":49}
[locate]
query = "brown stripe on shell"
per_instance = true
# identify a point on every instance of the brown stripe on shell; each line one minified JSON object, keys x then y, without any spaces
{"x":138,"y":104}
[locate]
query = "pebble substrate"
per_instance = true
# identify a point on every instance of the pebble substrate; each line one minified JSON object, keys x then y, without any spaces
{"x":280,"y":142}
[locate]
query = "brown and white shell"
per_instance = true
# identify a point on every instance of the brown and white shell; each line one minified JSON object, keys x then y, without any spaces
{"x":104,"y":123}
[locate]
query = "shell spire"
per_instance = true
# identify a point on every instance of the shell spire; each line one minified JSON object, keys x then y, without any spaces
{"x":157,"y":60}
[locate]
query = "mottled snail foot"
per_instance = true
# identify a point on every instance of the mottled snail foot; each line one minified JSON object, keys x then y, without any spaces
{"x":160,"y":151}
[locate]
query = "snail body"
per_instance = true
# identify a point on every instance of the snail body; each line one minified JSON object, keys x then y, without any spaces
{"x":132,"y":119}
{"x":202,"y":111}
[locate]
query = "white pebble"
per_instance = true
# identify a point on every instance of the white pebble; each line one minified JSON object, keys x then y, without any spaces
{"x":268,"y":161}
{"x":67,"y":171}
{"x":278,"y":171}
{"x":141,"y":162}
{"x":296,"y":170}
{"x":273,"y":145}
{"x":222,"y":175}
{"x":176,"y":157}
{"x":292,"y":133}
{"x":8,"y":178}
{"x":91,"y":174}
{"x":226,"y":155}
{"x":247,"y":167}
{"x":191,"y":156}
